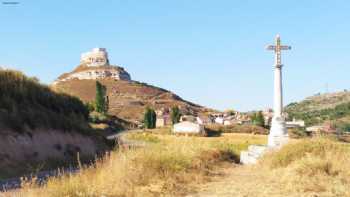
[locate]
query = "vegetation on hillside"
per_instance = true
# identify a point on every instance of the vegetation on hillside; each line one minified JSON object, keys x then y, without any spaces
{"x":320,"y":101}
{"x":25,"y":104}
{"x":319,"y":116}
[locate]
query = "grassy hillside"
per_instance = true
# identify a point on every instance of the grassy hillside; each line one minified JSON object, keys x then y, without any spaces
{"x":25,"y":104}
{"x":326,"y":107}
{"x":320,"y":102}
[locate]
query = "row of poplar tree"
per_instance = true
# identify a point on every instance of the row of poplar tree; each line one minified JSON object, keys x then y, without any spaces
{"x":150,"y":117}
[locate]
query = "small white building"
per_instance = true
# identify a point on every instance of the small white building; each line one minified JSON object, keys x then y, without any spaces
{"x":295,"y":124}
{"x":219,"y":120}
{"x":188,"y":127}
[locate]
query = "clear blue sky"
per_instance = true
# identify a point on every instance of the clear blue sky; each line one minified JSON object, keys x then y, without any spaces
{"x":208,"y":52}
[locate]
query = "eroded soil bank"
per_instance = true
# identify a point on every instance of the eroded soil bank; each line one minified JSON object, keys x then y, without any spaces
{"x":23,"y":153}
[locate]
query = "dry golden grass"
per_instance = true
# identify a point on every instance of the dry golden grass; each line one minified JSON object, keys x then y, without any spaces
{"x":317,"y":166}
{"x":166,"y":166}
{"x":310,"y":167}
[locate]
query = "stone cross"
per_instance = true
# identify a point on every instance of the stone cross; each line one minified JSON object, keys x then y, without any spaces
{"x":278,"y":132}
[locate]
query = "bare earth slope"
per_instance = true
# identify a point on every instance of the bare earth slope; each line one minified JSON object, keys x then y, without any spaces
{"x":128,"y":99}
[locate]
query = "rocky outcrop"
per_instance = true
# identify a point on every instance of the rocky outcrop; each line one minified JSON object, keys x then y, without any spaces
{"x":83,"y":72}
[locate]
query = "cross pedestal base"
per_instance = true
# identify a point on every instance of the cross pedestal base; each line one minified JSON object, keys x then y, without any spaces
{"x":278,"y":133}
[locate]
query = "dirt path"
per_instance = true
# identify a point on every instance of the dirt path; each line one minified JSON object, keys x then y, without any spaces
{"x":240,"y":181}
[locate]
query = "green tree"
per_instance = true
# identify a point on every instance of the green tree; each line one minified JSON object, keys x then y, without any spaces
{"x":150,"y":118}
{"x":153,"y":118}
{"x":101,"y":101}
{"x":258,"y":119}
{"x":175,"y":114}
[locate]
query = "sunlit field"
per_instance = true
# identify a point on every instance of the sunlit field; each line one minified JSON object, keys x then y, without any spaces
{"x":166,"y":165}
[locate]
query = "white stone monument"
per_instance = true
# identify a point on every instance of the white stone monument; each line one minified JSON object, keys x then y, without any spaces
{"x":278,"y":132}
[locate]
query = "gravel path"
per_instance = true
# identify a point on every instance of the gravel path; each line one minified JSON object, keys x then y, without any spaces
{"x":240,"y":181}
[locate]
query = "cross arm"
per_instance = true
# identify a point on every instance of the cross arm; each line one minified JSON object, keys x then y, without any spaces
{"x":283,"y":47}
{"x":286,"y":47}
{"x":271,"y":47}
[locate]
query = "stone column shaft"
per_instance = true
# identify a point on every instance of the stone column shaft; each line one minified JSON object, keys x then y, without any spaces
{"x":278,"y":96}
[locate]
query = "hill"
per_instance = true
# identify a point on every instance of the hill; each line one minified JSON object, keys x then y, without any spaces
{"x":320,"y":101}
{"x":128,"y":99}
{"x":39,"y":127}
{"x":322,"y":107}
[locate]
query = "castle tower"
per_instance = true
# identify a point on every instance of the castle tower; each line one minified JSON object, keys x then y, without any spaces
{"x":96,"y":57}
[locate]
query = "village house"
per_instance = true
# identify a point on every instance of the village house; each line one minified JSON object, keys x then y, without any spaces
{"x":204,"y":120}
{"x":189,"y":118}
{"x":326,"y":128}
{"x":231,"y":118}
{"x":295,"y":124}
{"x":163,"y":118}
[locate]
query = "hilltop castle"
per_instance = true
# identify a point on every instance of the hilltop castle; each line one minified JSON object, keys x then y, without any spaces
{"x":96,"y":57}
{"x":95,"y":65}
